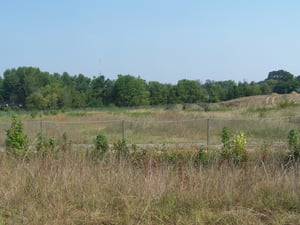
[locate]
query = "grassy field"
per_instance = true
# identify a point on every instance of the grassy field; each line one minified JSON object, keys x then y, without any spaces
{"x":71,"y":189}
{"x":153,"y":184}
{"x":152,"y":126}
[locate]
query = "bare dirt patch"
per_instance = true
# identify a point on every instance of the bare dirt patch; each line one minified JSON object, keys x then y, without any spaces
{"x":260,"y":100}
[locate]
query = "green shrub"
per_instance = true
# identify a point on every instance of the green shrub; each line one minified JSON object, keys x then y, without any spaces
{"x":121,"y":149}
{"x":45,"y":146}
{"x":294,"y":144}
{"x":286,"y":103}
{"x":225,"y":137}
{"x":234,"y":147}
{"x":138,"y":156}
{"x":101,"y":147}
{"x":174,"y":157}
{"x":239,"y":142}
{"x":16,"y":141}
{"x":205,"y":157}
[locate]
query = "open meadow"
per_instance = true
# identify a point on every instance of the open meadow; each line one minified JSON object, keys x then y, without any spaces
{"x":162,"y":173}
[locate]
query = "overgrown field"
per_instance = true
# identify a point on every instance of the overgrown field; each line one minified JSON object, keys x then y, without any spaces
{"x":157,"y":125}
{"x":46,"y":180}
{"x":147,"y":188}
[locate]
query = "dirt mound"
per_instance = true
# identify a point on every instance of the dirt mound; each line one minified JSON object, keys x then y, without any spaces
{"x":191,"y":106}
{"x":260,"y":100}
{"x":174,"y":107}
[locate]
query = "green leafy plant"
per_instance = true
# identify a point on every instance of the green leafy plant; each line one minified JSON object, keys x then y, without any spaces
{"x":45,"y":146}
{"x":225,"y":137}
{"x":286,"y":103}
{"x":138,"y":156}
{"x":101,"y":147}
{"x":239,"y":152}
{"x":16,"y":141}
{"x":121,"y":149}
{"x":201,"y":157}
{"x":294,"y":144}
{"x":234,"y":147}
{"x":206,"y":156}
{"x":174,"y":157}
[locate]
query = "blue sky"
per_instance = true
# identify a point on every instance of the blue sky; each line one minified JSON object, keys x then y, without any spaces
{"x":158,"y":40}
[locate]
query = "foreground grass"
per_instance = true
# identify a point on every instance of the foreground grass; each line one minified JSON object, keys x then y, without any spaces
{"x":70,"y":189}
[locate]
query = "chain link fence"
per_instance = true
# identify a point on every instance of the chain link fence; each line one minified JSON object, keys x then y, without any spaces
{"x":197,"y":131}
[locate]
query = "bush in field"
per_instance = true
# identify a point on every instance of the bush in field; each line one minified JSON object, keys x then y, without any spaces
{"x":16,"y":141}
{"x":138,"y":156}
{"x":234,"y":147}
{"x":205,"y":157}
{"x":101,"y":147}
{"x":225,"y":137}
{"x":294,"y":144}
{"x":174,"y":157}
{"x":121,"y":149}
{"x":239,"y":142}
{"x":45,"y":146}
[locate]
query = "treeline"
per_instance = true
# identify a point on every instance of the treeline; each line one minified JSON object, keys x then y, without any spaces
{"x":32,"y":88}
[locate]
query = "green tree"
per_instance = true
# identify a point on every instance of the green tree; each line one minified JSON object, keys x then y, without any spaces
{"x":36,"y":101}
{"x":214,"y":90}
{"x":158,"y":93}
{"x":11,"y":86}
{"x":283,"y":81}
{"x":52,"y":95}
{"x":100,"y":91}
{"x":172,"y":94}
{"x":67,"y":80}
{"x":280,"y":75}
{"x":230,"y":89}
{"x":82,"y":83}
{"x":191,"y":91}
{"x":265,"y":88}
{"x":130,"y":91}
{"x":248,"y":89}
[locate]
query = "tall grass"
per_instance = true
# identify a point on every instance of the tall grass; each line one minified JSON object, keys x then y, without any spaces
{"x":71,"y":189}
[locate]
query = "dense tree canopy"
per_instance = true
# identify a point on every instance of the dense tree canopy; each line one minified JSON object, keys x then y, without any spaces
{"x":190,"y":91}
{"x":34,"y":89}
{"x":130,"y":91}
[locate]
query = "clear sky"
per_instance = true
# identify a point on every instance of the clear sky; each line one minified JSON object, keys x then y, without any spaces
{"x":158,"y":40}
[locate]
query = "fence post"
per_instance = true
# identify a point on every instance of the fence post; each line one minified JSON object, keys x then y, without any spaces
{"x":41,"y":126}
{"x":123,"y":130}
{"x":208,"y":132}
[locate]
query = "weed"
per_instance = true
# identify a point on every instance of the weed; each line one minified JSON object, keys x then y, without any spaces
{"x":101,"y":147}
{"x":286,"y":103}
{"x":234,"y":148}
{"x":239,"y":142}
{"x":16,"y":140}
{"x":294,"y":144}
{"x":174,"y":157}
{"x":138,"y":156}
{"x":205,"y":156}
{"x":121,"y":149}
{"x":65,"y":146}
{"x":45,"y":146}
{"x":225,"y":137}
{"x":33,"y":114}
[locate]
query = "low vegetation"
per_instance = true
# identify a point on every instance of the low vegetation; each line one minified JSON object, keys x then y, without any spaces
{"x":127,"y":184}
{"x":149,"y":187}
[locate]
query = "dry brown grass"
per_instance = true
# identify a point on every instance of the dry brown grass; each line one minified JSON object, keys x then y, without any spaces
{"x":157,"y":125}
{"x":70,"y":189}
